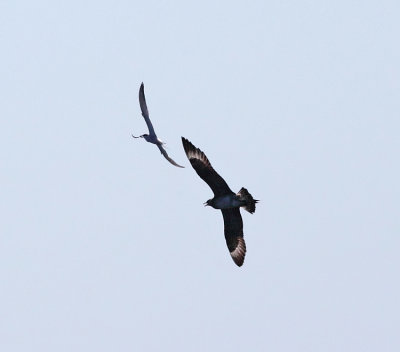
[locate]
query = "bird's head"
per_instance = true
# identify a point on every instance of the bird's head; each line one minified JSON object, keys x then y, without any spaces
{"x":209,"y":203}
{"x":142,"y":136}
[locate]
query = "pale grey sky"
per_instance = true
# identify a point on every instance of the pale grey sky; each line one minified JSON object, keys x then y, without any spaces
{"x":105,"y":246}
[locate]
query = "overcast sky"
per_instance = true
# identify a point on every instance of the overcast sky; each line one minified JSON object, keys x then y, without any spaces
{"x":105,"y":246}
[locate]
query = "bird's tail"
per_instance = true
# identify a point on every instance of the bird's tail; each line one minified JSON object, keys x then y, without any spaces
{"x":250,"y":202}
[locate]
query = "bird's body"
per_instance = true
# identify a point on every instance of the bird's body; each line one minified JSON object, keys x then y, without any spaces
{"x":152,"y":136}
{"x":152,"y":139}
{"x":224,"y":199}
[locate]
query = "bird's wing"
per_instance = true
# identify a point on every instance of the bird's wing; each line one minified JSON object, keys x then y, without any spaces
{"x":204,"y":169}
{"x":145,"y":112}
{"x":233,"y":229}
{"x":164,"y":152}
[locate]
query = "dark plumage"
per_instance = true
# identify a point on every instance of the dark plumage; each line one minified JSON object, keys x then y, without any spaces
{"x":224,"y":199}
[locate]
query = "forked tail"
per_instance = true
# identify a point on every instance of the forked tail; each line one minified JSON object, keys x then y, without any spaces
{"x":250,"y":202}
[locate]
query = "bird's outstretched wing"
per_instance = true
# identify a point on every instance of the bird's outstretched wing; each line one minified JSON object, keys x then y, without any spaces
{"x":145,"y":112}
{"x":164,"y":152}
{"x":233,"y":229}
{"x":204,"y":169}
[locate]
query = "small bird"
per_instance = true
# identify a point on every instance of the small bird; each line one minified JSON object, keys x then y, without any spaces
{"x":224,"y":199}
{"x":151,"y":137}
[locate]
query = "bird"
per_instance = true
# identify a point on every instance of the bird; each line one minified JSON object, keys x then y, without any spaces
{"x":224,"y":199}
{"x":151,"y":137}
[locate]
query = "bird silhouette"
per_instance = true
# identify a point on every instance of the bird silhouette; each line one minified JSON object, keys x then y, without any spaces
{"x":151,"y":137}
{"x":224,"y":199}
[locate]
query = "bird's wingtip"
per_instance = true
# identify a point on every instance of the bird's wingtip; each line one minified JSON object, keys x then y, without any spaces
{"x":185,"y":140}
{"x":239,"y":252}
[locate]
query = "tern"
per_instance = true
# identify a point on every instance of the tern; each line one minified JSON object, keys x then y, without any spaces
{"x":151,"y":137}
{"x":224,"y":199}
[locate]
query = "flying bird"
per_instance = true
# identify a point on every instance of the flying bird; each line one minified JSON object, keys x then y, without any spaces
{"x":151,"y":137}
{"x":224,"y":199}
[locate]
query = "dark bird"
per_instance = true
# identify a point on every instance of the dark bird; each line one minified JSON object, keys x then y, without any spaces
{"x":151,"y":137}
{"x":224,"y":199}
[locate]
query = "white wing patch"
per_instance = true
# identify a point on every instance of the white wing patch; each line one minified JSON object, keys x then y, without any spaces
{"x":239,"y":252}
{"x":195,"y":153}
